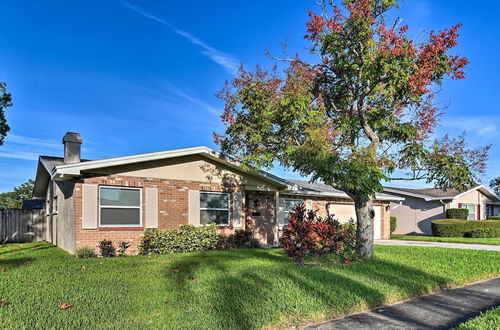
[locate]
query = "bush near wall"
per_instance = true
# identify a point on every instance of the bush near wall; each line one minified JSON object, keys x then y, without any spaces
{"x":187,"y":238}
{"x":241,"y":238}
{"x":459,"y":227}
{"x":394,"y":223}
{"x":493,"y":217}
{"x":457,"y":214}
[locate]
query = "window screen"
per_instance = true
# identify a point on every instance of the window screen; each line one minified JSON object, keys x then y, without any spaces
{"x":120,"y":206}
{"x":214,"y":207}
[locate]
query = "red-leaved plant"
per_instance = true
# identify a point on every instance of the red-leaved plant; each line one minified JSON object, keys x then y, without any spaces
{"x":308,"y":235}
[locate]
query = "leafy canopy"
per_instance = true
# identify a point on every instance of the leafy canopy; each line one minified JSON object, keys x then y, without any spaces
{"x":5,"y":102}
{"x":495,"y":185}
{"x":14,"y":199}
{"x":363,"y":110}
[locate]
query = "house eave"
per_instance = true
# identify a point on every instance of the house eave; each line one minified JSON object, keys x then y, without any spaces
{"x":68,"y":171}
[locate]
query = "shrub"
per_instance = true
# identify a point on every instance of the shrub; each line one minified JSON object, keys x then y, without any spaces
{"x":106,"y":248}
{"x":122,"y":248}
{"x":494,"y":217}
{"x":307,"y":235}
{"x":483,"y":233}
{"x":457,"y":214}
{"x":394,"y":222}
{"x":243,"y":238}
{"x":86,"y":252}
{"x":187,"y":238}
{"x":458,"y":227}
{"x":225,"y":242}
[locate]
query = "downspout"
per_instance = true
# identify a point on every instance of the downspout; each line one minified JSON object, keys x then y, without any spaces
{"x":445,"y":206}
{"x":276,"y":223}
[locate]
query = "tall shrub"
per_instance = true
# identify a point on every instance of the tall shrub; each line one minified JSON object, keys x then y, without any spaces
{"x":394,"y":223}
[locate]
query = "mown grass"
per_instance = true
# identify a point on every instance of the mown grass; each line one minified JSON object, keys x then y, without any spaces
{"x":486,"y":321}
{"x":217,"y":289}
{"x":487,"y":241}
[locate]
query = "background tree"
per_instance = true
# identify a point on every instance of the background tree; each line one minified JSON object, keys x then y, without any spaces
{"x":358,"y":113}
{"x":495,"y":185}
{"x":5,"y":102}
{"x":14,"y":199}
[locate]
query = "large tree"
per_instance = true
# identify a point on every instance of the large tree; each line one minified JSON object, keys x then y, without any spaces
{"x":356,"y":116}
{"x":14,"y":199}
{"x":495,"y":185}
{"x":5,"y":102}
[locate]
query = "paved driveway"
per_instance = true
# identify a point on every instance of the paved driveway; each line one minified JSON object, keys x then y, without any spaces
{"x":441,"y":310}
{"x":439,"y":244}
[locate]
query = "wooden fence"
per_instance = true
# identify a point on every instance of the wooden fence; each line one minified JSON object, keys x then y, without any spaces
{"x":22,"y":225}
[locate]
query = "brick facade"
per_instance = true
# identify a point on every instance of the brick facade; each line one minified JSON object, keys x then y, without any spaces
{"x":172,"y":207}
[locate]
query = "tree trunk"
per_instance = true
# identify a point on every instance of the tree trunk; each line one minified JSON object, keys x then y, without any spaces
{"x":364,"y":232}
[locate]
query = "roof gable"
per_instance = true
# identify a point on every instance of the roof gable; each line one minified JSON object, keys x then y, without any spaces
{"x":440,"y":194}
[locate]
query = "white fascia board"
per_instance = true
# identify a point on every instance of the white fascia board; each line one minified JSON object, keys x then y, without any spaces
{"x":75,"y":169}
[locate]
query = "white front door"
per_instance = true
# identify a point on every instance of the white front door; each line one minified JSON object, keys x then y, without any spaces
{"x":345,"y":212}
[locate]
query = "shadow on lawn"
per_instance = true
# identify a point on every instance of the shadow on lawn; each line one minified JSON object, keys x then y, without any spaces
{"x":24,"y":247}
{"x":272,"y":288}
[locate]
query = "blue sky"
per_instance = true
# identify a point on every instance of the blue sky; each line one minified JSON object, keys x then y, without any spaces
{"x":141,"y":76}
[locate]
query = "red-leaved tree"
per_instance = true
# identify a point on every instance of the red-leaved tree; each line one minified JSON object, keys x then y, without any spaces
{"x":358,"y":114}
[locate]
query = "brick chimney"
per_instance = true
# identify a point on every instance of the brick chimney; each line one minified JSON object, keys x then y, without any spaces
{"x":72,"y":147}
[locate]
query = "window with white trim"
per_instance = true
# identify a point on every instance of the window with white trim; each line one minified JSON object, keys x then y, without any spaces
{"x":214,"y":207}
{"x":119,"y":206}
{"x":289,"y":206}
{"x":472,"y":210}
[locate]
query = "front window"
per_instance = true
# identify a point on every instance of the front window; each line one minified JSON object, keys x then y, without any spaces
{"x":120,"y":207}
{"x":290,"y":204}
{"x":214,"y":207}
{"x":472,"y":211}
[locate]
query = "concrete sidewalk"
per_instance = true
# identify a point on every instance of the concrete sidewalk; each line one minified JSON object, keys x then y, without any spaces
{"x":439,"y":244}
{"x":441,"y":310}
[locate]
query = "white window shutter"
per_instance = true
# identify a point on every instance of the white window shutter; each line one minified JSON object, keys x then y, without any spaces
{"x":237,"y":209}
{"x":89,"y":206}
{"x":194,"y":207}
{"x":151,"y":207}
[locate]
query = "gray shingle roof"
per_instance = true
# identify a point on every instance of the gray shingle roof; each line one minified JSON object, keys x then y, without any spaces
{"x":432,"y":192}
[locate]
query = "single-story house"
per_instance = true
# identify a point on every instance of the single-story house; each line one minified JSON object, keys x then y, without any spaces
{"x":421,"y":206}
{"x":87,"y":201}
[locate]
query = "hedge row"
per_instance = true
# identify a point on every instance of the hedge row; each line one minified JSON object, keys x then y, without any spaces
{"x":187,"y":238}
{"x":457,"y":214}
{"x":459,"y":227}
{"x":494,"y":217}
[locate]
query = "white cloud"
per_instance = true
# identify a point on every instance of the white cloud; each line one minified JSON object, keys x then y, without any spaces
{"x":19,"y":155}
{"x":29,"y":141}
{"x":486,"y":127}
{"x":228,"y":62}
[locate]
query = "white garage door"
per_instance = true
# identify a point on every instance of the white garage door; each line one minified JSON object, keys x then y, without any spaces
{"x":345,"y":212}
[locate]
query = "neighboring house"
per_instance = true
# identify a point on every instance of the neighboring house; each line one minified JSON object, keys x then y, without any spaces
{"x":118,"y":198}
{"x":421,"y":206}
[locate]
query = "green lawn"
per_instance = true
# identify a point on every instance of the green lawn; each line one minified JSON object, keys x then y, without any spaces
{"x":490,"y":241}
{"x":486,"y":321}
{"x":217,"y":289}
